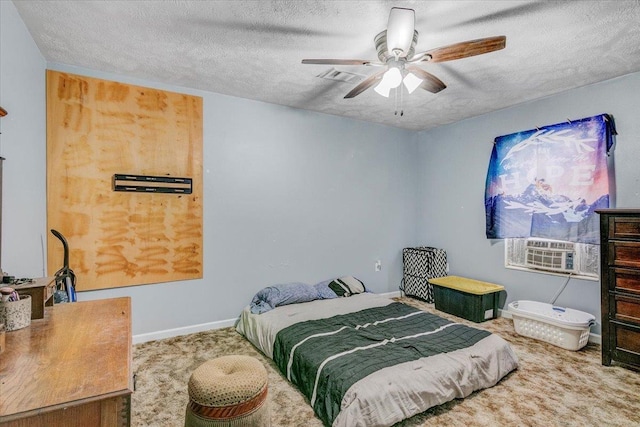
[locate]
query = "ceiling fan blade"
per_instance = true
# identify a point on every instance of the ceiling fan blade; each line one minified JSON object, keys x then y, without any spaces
{"x":400,"y":28}
{"x":430,"y":82}
{"x":337,"y":61}
{"x":366,"y":84}
{"x":465,"y":49}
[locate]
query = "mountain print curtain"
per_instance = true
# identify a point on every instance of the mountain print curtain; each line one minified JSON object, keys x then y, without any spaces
{"x":547,"y":182}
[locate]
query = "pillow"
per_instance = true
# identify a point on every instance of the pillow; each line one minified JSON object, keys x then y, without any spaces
{"x":324,"y":291}
{"x":288,"y":293}
{"x":347,"y":286}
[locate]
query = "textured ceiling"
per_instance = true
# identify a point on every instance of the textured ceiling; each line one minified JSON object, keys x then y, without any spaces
{"x":253,"y":49}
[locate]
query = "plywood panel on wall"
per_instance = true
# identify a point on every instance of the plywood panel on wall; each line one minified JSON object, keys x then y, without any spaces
{"x":95,"y":129}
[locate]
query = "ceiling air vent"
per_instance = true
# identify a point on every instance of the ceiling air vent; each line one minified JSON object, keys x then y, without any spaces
{"x":340,"y":76}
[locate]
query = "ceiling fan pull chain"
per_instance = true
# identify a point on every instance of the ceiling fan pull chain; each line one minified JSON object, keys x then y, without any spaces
{"x":395,"y":95}
{"x":401,"y":100}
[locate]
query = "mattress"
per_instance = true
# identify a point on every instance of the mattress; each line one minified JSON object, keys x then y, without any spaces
{"x":389,"y":389}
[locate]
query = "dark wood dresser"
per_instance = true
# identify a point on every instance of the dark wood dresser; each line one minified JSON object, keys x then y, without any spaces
{"x":620,"y":285}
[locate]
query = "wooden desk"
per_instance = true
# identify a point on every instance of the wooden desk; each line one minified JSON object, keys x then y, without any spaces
{"x":71,"y":369}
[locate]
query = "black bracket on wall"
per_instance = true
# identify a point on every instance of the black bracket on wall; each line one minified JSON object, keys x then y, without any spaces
{"x":152,"y":184}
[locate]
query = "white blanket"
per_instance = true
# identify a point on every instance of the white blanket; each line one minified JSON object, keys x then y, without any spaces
{"x":397,"y":392}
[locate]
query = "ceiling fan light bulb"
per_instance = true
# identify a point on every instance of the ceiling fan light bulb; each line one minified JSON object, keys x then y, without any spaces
{"x":383,"y":90}
{"x":392,"y":78}
{"x":411,"y":82}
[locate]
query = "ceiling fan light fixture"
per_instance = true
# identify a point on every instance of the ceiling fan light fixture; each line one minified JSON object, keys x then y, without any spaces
{"x":382,"y":90}
{"x":400,"y":28}
{"x":412,"y":82}
{"x":395,"y":47}
{"x":391,"y":79}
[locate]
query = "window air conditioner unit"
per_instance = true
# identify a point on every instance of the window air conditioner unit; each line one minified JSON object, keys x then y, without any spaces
{"x":551,"y":255}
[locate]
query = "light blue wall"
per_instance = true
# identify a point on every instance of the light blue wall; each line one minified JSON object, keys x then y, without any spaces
{"x":453,"y":168}
{"x":23,"y":145}
{"x":289,"y":195}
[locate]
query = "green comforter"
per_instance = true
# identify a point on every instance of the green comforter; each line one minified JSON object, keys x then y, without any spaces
{"x":325,"y":357}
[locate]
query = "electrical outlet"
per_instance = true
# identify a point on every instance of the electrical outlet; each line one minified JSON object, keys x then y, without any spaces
{"x":378,"y":265}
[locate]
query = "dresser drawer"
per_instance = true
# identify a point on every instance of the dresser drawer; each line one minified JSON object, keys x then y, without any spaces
{"x":623,"y":227}
{"x":626,"y":309}
{"x":624,"y":280}
{"x":620,"y":286}
{"x":626,"y":338}
{"x":624,"y":254}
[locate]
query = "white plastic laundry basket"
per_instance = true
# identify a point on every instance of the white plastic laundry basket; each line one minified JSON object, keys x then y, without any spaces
{"x":564,"y":327}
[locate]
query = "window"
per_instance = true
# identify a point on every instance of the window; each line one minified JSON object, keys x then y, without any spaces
{"x":556,"y":257}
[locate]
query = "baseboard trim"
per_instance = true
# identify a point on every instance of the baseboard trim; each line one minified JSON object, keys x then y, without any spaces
{"x":185,"y":330}
{"x":394,"y":294}
{"x":504,"y":313}
{"x":595,"y":338}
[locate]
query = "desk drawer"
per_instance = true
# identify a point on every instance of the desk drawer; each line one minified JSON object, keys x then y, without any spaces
{"x":624,"y":254}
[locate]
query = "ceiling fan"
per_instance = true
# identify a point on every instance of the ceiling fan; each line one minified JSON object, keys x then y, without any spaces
{"x":396,"y":51}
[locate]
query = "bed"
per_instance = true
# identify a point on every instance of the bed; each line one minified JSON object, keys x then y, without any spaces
{"x":368,"y":360}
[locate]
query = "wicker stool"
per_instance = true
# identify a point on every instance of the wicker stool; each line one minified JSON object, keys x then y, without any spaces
{"x":228,"y":391}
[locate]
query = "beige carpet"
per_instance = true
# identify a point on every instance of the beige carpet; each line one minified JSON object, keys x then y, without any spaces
{"x":552,"y":387}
